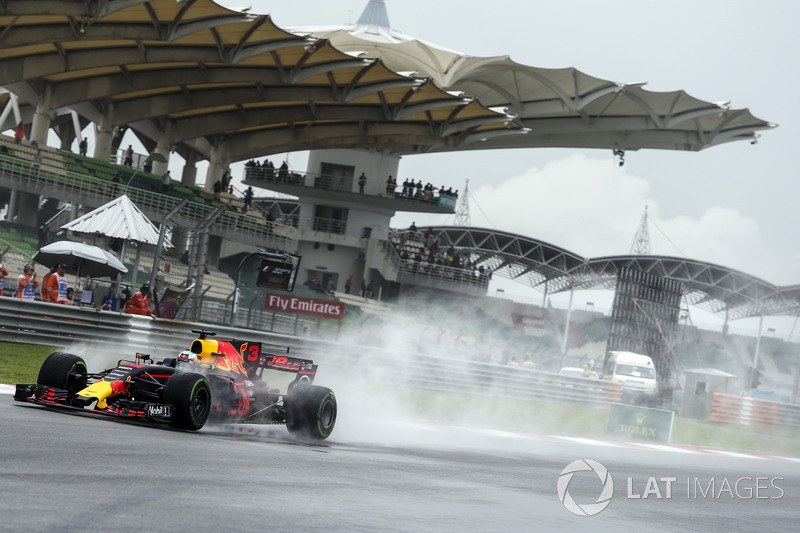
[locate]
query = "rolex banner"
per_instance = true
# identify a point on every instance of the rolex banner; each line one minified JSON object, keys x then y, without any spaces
{"x":641,"y":423}
{"x":304,"y":306}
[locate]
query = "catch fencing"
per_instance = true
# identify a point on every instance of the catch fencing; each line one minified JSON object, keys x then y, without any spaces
{"x":111,"y":336}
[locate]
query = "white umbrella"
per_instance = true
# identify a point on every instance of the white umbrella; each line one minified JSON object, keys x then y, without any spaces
{"x":81,"y":259}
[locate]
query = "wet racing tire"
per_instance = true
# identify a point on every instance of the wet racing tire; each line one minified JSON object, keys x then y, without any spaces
{"x":64,"y":371}
{"x":190,"y":396}
{"x":310,"y":412}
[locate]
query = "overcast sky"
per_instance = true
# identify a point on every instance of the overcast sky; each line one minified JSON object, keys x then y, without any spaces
{"x":734,"y":205}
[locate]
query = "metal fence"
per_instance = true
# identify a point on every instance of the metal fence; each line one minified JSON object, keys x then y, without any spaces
{"x":52,"y":181}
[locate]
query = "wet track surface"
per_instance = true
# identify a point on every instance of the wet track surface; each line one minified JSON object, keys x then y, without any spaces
{"x":72,"y":472}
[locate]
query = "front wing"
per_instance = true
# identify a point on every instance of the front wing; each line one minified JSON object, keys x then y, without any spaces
{"x":128,"y":409}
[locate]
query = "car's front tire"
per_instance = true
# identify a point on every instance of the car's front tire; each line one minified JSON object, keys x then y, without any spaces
{"x":190,"y":396}
{"x":310,"y":412}
{"x":64,"y":371}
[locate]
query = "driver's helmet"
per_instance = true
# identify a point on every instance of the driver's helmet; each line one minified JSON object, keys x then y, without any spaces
{"x":186,"y":356}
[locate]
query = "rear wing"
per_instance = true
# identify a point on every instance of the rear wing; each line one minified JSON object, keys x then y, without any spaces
{"x":284,"y":363}
{"x":255,"y":357}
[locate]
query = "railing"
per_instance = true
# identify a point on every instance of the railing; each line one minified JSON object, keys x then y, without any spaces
{"x":325,"y":225}
{"x":69,"y":186}
{"x":345,"y":184}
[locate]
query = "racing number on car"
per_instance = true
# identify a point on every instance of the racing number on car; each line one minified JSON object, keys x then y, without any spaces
{"x":250,"y":352}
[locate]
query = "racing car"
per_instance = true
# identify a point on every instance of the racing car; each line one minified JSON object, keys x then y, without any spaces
{"x":219,"y":381}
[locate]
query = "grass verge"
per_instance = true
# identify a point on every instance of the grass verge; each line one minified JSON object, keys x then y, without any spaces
{"x":546,"y":418}
{"x":19,"y":363}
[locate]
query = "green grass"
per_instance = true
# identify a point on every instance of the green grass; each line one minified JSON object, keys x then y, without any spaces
{"x":19,"y":363}
{"x":545,"y":418}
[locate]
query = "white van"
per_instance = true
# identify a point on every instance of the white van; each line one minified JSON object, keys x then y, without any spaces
{"x":636,"y":372}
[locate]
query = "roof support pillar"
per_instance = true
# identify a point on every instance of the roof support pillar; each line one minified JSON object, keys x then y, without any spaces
{"x":189,"y":175}
{"x":104,"y":134}
{"x":41,"y":118}
{"x":23,"y":208}
{"x":216,"y":167}
{"x":163,"y":148}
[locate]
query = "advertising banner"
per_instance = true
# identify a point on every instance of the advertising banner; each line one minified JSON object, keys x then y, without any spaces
{"x":639,"y":422}
{"x":445,"y":200}
{"x":304,"y":306}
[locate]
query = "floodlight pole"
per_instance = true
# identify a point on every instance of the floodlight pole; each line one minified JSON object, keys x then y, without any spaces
{"x":202,"y":229}
{"x":566,"y":325}
{"x":235,"y":305}
{"x":162,"y":234}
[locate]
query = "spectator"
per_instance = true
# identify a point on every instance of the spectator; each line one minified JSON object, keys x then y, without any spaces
{"x":3,"y":274}
{"x":166,"y":180}
{"x":348,"y":285}
{"x":37,"y":163}
{"x":19,"y":132}
{"x":248,"y":197}
{"x":226,"y":180}
{"x":283,"y":172}
{"x":371,"y":290}
{"x":140,"y":303}
{"x":70,"y":295}
{"x":54,"y":287}
{"x":390,"y":185}
{"x":217,"y":189}
{"x":413,"y":228}
{"x":46,"y":296}
{"x":27,"y":283}
{"x":362,"y":182}
{"x":83,"y":146}
{"x":129,"y":156}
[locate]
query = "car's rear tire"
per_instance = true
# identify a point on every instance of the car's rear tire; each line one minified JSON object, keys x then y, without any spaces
{"x":310,"y":412}
{"x":65,"y":371}
{"x":190,"y":396}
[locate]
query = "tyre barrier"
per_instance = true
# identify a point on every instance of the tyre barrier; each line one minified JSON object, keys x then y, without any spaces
{"x":730,"y":409}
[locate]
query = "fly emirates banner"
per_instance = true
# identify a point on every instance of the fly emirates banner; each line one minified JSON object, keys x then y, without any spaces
{"x":304,"y":306}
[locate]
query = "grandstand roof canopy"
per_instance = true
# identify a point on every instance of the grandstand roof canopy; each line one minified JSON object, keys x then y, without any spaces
{"x":561,"y":107}
{"x":216,"y":80}
{"x":219,"y":80}
{"x":539,"y":264}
